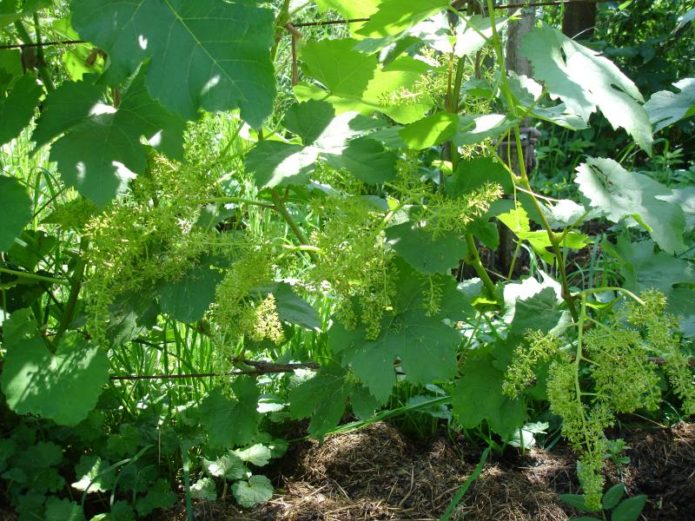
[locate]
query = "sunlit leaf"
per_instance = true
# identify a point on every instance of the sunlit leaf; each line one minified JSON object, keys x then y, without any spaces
{"x":585,"y":81}
{"x":620,"y":194}
{"x":666,"y":108}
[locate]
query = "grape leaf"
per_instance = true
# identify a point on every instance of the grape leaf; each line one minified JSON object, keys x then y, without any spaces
{"x":424,"y":251}
{"x":517,"y":221}
{"x":227,"y":421}
{"x":187,"y":299}
{"x":364,"y":86}
{"x":99,"y":155}
{"x":17,"y":109}
{"x":620,"y":194}
{"x":207,"y":54}
{"x":666,"y":108}
{"x":65,"y":108}
{"x":430,"y":131}
{"x":292,"y":308}
{"x":274,"y":163}
{"x":425,"y":346}
{"x":322,"y":398}
{"x":350,"y":79}
{"x":477,"y":396}
{"x":15,"y":211}
{"x":393,"y":17}
{"x":309,"y":119}
{"x":350,"y":8}
{"x":63,"y":386}
{"x":585,"y":80}
{"x":337,"y":141}
{"x":367,"y":160}
{"x":483,"y":127}
{"x":472,"y":174}
{"x":643,"y":268}
{"x":258,"y":489}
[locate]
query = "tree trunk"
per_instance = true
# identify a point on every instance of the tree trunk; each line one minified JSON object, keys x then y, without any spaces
{"x":579,"y":20}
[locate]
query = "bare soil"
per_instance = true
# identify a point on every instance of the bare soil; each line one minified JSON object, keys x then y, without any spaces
{"x":379,"y":474}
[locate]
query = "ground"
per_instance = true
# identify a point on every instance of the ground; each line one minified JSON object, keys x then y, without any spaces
{"x":379,"y":474}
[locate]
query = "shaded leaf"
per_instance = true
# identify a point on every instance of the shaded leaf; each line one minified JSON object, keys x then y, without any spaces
{"x":17,"y":109}
{"x":477,"y":397}
{"x":15,"y":211}
{"x":201,"y":53}
{"x":99,"y":155}
{"x":63,"y":386}
{"x":188,"y":298}
{"x":424,"y":251}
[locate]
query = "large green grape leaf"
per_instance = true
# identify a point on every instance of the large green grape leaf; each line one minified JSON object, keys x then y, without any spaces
{"x":361,"y":85}
{"x":367,"y":160}
{"x":472,"y":174}
{"x":100,"y":154}
{"x":394,"y":17}
{"x":350,"y":8}
{"x":63,"y":386}
{"x":337,"y":140}
{"x":425,"y":346}
{"x":66,"y":108}
{"x":230,"y":422}
{"x":666,"y":108}
{"x":585,"y":80}
{"x":429,"y":131}
{"x":275,"y":163}
{"x":620,"y":194}
{"x":424,"y":251}
{"x":309,"y":119}
{"x":477,"y":396}
{"x":15,"y":211}
{"x":294,"y":309}
{"x":188,"y":298}
{"x":350,"y":78}
{"x":17,"y":109}
{"x":322,"y":398}
{"x":207,"y":54}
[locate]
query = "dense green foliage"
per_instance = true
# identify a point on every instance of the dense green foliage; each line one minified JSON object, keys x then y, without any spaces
{"x":205,"y":237}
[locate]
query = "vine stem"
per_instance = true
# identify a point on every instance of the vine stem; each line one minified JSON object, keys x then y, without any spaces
{"x":34,"y":276}
{"x":76,"y":287}
{"x":452,"y":106}
{"x":281,"y":208}
{"x":555,"y":242}
{"x":473,"y":259}
{"x":232,"y":199}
